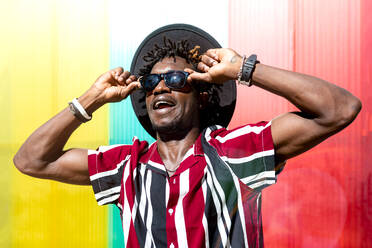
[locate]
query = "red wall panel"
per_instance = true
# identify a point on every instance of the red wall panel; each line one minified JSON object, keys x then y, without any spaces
{"x":364,"y":200}
{"x":322,"y":196}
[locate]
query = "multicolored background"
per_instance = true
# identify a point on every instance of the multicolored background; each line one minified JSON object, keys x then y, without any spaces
{"x":52,"y":51}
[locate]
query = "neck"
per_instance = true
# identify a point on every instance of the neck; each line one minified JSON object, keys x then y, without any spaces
{"x":173,"y":150}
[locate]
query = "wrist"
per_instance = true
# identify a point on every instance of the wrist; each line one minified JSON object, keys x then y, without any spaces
{"x":90,"y":101}
{"x":236,"y":62}
{"x":247,"y":69}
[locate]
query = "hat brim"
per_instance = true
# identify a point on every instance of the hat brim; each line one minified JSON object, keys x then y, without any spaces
{"x":195,"y":36}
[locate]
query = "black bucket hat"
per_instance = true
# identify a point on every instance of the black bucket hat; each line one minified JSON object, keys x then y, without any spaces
{"x":195,"y":36}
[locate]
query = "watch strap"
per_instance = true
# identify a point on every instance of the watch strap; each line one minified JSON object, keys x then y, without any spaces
{"x":248,"y":67}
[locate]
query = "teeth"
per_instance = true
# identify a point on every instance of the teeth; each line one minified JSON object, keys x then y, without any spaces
{"x":157,"y":104}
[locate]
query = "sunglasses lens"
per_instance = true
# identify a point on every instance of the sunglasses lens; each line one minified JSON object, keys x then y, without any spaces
{"x":173,"y":80}
{"x":149,"y":82}
{"x":176,"y":79}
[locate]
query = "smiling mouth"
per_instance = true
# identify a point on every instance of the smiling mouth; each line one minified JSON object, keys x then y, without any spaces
{"x":163,"y":104}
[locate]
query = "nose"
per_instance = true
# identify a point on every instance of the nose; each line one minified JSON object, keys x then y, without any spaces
{"x":161,"y":88}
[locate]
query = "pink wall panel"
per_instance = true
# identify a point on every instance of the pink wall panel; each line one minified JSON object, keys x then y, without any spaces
{"x":322,"y":197}
{"x":261,"y":27}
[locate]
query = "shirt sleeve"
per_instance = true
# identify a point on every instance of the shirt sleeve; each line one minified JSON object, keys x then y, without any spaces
{"x":106,"y":171}
{"x":249,"y":151}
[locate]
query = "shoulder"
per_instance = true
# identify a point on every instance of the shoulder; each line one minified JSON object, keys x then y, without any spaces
{"x":247,"y":150}
{"x":120,"y":149}
{"x":112,"y":157}
{"x":223,"y":134}
{"x":249,"y":138}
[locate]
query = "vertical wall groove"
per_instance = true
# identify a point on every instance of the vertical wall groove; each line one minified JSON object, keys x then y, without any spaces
{"x":321,"y":196}
{"x":51,"y":54}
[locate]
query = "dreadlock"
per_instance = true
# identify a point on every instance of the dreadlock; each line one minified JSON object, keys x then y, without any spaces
{"x":208,"y":115}
{"x":170,"y":49}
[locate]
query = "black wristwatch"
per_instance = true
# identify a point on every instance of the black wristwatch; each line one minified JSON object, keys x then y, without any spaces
{"x":249,"y":65}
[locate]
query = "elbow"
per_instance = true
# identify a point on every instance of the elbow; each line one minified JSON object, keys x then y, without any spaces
{"x":23,"y":164}
{"x":350,"y":111}
{"x":346,"y":113}
{"x":20,"y":163}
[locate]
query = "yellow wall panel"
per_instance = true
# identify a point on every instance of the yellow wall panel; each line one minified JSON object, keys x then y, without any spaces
{"x":50,"y":52}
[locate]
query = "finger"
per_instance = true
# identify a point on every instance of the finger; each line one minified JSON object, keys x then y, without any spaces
{"x":125,"y":91}
{"x":190,"y":71}
{"x":114,"y":75}
{"x":196,"y":76}
{"x":203,"y":67}
{"x":120,"y":80}
{"x":131,"y":79}
{"x":123,"y":76}
{"x":213,"y":53}
{"x":117,"y":71}
{"x":209,"y":61}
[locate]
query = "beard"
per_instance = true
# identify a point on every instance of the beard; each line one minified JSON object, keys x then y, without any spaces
{"x":171,"y":127}
{"x":176,"y":129}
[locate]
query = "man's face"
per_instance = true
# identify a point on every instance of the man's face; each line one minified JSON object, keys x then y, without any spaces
{"x":170,"y":110}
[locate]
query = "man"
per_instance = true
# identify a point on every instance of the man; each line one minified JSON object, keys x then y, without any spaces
{"x":199,"y":184}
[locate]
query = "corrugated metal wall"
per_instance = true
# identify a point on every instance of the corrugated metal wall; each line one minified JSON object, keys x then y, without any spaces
{"x":322,"y":197}
{"x":49,"y":55}
{"x":52,"y":51}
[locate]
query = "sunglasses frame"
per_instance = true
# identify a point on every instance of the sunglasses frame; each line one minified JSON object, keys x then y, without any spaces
{"x":163,"y":76}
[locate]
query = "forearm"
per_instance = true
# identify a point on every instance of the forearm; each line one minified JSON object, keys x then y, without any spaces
{"x":324,"y":102}
{"x":325,"y":108}
{"x":42,"y":154}
{"x":45,"y":145}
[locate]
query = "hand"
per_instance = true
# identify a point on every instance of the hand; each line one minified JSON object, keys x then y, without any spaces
{"x":217,"y":66}
{"x":114,"y":86}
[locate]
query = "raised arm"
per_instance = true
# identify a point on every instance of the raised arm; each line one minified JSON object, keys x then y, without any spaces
{"x":42,"y":154}
{"x":325,"y":108}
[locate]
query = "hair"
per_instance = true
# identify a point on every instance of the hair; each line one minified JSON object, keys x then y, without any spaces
{"x":208,"y":115}
{"x":170,"y":49}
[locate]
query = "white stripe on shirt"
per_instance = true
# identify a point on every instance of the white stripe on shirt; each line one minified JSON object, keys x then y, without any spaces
{"x":110,"y":172}
{"x":107,"y":192}
{"x":179,"y":217}
{"x":261,"y":175}
{"x":249,"y":158}
{"x":156,"y":165}
{"x":242,"y":131}
{"x":108,"y":199}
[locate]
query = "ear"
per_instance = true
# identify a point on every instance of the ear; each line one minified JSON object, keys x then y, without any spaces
{"x":203,"y":100}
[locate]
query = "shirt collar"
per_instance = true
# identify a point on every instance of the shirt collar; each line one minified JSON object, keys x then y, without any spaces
{"x":153,"y":154}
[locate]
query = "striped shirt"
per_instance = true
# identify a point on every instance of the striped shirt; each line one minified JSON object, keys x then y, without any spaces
{"x":202,"y":204}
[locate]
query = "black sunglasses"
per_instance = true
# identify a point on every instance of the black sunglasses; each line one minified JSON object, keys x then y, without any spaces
{"x":172,"y":79}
